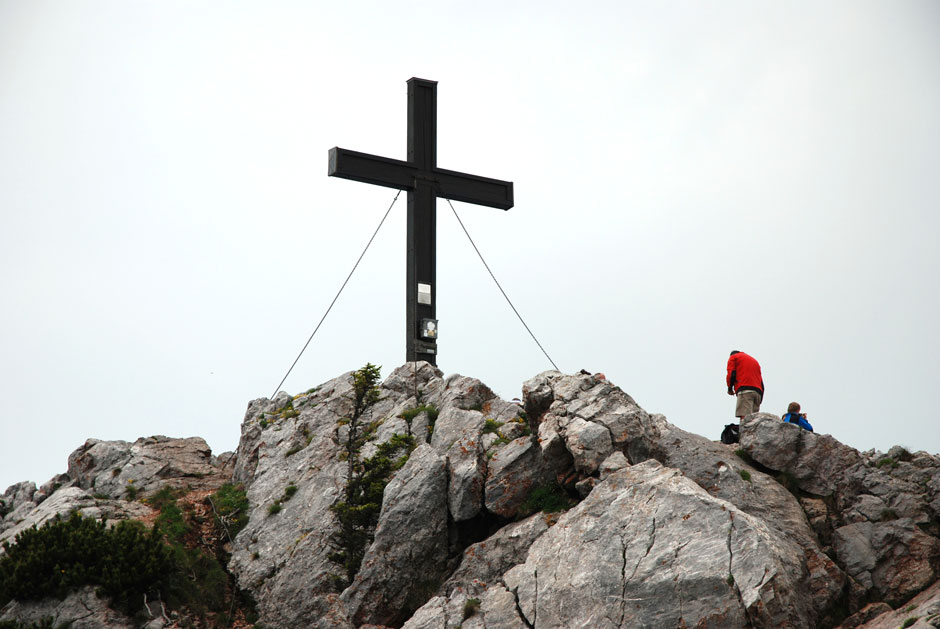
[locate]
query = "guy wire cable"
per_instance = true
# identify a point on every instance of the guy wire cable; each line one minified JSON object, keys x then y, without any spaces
{"x":500,"y":287}
{"x":337,"y":294}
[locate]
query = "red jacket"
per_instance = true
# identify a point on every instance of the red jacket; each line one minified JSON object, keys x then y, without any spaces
{"x":744,"y":373}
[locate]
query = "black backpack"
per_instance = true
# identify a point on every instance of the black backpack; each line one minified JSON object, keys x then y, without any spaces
{"x":730,"y":434}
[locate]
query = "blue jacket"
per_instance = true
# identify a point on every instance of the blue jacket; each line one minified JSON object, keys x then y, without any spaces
{"x":798,"y":419}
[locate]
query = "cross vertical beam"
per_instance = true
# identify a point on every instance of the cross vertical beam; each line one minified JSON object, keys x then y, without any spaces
{"x":425,"y":182}
{"x":421,"y":260}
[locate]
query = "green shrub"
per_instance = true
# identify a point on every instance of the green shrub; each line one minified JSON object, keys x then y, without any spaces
{"x":197,"y":579}
{"x":170,"y":522}
{"x":910,"y":621}
{"x":886,"y":462}
{"x":546,"y":498}
{"x":294,"y":450}
{"x":358,"y":515}
{"x":411,"y":413}
{"x":526,"y":429}
{"x":499,"y":441}
{"x":744,"y":456}
{"x":745,"y":475}
{"x":130,"y":492}
{"x":274,"y":508}
{"x":491,"y":426}
{"x":471,"y":607}
{"x":230,"y":504}
{"x":126,"y":561}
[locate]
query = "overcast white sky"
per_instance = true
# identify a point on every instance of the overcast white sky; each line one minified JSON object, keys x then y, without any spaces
{"x":690,"y":178}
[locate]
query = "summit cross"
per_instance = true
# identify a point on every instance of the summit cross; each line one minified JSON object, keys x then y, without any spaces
{"x":425,"y":182}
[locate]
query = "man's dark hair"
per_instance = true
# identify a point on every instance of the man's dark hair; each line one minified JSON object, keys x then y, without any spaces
{"x":735,"y":352}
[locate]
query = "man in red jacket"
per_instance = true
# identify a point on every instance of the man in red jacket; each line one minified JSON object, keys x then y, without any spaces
{"x":745,"y":381}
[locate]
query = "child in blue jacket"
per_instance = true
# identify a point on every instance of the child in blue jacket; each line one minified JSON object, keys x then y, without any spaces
{"x":794,"y":416}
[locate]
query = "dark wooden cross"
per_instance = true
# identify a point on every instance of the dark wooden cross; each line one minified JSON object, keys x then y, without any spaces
{"x":425,"y":182}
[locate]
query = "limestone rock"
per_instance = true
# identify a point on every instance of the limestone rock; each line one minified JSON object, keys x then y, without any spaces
{"x":719,"y":470}
{"x":893,"y":559}
{"x":62,"y":503}
{"x":866,"y":614}
{"x":514,"y":471}
{"x":879,"y":510}
{"x":485,"y":562}
{"x":649,"y":548}
{"x":118,"y":469}
{"x":406,"y":562}
{"x":787,"y":528}
{"x":922,"y":612}
{"x":591,"y":418}
{"x":81,"y":609}
{"x":282,"y":558}
{"x":816,"y":461}
{"x":17,"y":495}
{"x":479,"y":576}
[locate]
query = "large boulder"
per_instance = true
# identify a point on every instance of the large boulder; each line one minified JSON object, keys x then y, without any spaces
{"x":407,"y":561}
{"x":650,"y":548}
{"x":118,"y":469}
{"x":719,"y":469}
{"x":80,"y":609}
{"x":281,"y":557}
{"x":582,"y":419}
{"x":878,"y":511}
{"x":108,"y":479}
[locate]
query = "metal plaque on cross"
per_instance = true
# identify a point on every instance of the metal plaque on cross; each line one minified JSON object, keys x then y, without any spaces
{"x":425,"y":182}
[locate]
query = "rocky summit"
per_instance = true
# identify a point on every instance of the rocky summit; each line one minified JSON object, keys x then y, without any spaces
{"x":427,"y":502}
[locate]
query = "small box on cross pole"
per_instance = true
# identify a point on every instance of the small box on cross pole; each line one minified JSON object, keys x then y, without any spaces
{"x":429,"y":328}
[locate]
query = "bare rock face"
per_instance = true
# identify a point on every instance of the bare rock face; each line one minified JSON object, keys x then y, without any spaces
{"x":878,"y":511}
{"x":107,"y":479}
{"x":583,"y":419}
{"x":396,"y":578}
{"x":664,"y":528}
{"x":722,"y":473}
{"x":283,"y":560}
{"x":922,"y":612}
{"x":118,"y":469}
{"x":647,"y":535}
{"x":81,"y":609}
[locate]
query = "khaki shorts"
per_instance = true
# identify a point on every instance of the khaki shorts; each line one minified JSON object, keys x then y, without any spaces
{"x":748,"y":402}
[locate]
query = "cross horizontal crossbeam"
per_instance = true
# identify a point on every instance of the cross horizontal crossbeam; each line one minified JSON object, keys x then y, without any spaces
{"x":394,"y":173}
